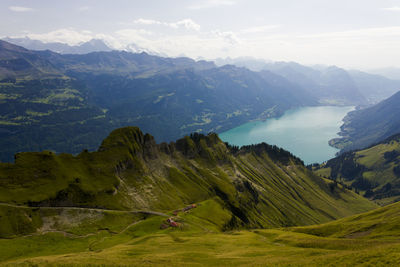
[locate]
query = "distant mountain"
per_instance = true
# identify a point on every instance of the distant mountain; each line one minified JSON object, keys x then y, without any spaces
{"x":94,"y":45}
{"x":370,"y":125}
{"x":251,"y":63}
{"x":67,"y":103}
{"x":331,"y":85}
{"x":375,"y":171}
{"x":390,"y":72}
{"x":16,"y":61}
{"x":374,"y":87}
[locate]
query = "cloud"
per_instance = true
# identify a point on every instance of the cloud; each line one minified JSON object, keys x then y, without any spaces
{"x":260,"y":29}
{"x":394,"y":8}
{"x":20,"y":8}
{"x":69,"y":36}
{"x":212,"y":4}
{"x":201,"y":43}
{"x":148,"y":22}
{"x":187,"y":24}
{"x":135,"y":40}
{"x":229,"y":36}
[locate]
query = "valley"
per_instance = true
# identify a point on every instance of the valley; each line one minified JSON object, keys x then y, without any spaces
{"x":114,"y":152}
{"x":68,"y":103}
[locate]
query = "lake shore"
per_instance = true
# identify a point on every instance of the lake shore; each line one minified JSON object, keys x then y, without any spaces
{"x":303,"y":131}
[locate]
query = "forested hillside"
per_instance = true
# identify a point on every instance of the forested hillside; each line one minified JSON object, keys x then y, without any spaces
{"x":369,"y":126}
{"x":67,"y":103}
{"x":374,"y":171}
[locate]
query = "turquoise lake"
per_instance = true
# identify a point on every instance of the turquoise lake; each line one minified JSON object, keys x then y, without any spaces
{"x":304,"y":132}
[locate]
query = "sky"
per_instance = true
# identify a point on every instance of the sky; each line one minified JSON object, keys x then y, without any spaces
{"x":361,"y":34}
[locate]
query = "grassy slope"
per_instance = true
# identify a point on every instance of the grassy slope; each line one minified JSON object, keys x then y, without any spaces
{"x":381,"y":170}
{"x":377,"y":169}
{"x":377,"y":224}
{"x":131,"y":172}
{"x":254,"y":187}
{"x":370,"y":239}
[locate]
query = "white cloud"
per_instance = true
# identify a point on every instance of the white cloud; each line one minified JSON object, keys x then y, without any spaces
{"x":20,"y":8}
{"x":201,"y":43}
{"x":260,"y":29}
{"x":229,"y":36}
{"x":69,"y":36}
{"x":394,"y":8}
{"x":212,"y":4}
{"x":148,"y":22}
{"x":187,"y":24}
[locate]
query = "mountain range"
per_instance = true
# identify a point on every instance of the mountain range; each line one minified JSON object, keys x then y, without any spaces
{"x":67,"y":103}
{"x":330,"y":84}
{"x":94,"y":45}
{"x":389,"y":72}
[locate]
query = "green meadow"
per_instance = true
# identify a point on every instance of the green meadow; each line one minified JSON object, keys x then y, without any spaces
{"x":123,"y":238}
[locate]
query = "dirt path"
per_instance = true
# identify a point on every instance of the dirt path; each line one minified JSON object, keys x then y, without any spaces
{"x":87,"y":209}
{"x":75,"y":236}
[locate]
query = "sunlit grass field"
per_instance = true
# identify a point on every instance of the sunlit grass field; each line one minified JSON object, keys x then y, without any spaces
{"x":118,"y":238}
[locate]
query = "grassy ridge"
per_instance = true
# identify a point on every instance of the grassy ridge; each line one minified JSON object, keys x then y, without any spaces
{"x":260,"y":186}
{"x":107,"y":207}
{"x":377,"y":224}
{"x":374,"y":171}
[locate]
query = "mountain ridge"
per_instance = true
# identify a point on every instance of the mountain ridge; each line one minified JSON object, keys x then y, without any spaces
{"x":195,"y":194}
{"x":374,"y":170}
{"x":259,"y":186}
{"x":330,"y":84}
{"x":70,"y":102}
{"x":93,"y":45}
{"x":367,"y":126}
